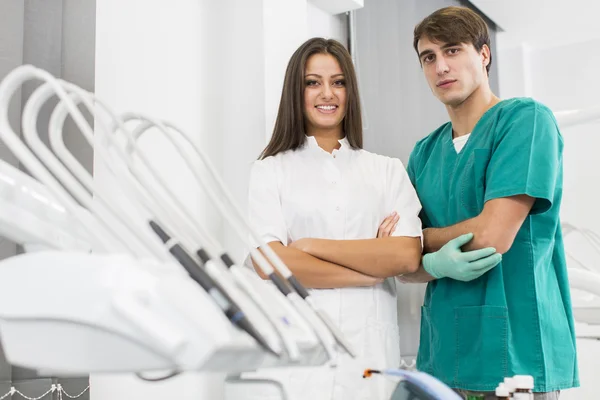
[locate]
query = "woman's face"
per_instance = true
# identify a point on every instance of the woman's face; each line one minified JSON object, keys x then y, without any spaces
{"x":324,"y":93}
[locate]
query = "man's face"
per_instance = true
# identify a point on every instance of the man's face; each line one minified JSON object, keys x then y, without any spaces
{"x":453,"y":70}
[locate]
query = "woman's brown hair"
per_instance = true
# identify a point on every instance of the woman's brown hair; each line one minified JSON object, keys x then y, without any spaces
{"x":289,"y":132}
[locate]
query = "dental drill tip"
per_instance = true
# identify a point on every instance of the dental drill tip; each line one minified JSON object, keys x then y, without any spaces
{"x":369,"y":372}
{"x":270,"y":349}
{"x":256,"y":335}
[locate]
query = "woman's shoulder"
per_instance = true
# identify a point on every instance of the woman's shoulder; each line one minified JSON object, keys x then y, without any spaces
{"x":277,"y":159}
{"x":276,"y":165}
{"x":381,"y":160}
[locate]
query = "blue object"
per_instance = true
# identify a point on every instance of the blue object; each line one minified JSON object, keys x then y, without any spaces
{"x":417,"y":385}
{"x":451,"y":262}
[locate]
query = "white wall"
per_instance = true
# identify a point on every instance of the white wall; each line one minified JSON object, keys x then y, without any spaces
{"x":514,"y":71}
{"x":322,"y":24}
{"x":216,"y":69}
{"x":566,"y":78}
{"x":152,"y":62}
{"x":563,"y":78}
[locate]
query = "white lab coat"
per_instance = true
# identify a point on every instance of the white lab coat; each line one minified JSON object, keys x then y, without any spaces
{"x":343,"y":195}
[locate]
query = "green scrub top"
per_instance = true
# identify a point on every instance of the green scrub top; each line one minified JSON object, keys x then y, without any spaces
{"x":517,"y":318}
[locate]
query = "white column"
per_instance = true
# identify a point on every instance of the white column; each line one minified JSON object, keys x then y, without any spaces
{"x":155,"y":57}
{"x":261,"y":36}
{"x":285,"y":28}
{"x":323,"y":24}
{"x":515,"y":71}
{"x":527,"y":70}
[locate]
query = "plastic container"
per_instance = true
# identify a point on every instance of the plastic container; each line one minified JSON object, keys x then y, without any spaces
{"x":502,"y":392}
{"x":523,"y":387}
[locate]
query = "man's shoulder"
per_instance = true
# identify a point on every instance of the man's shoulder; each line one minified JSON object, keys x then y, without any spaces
{"x":517,"y":105}
{"x":431,"y":139}
{"x":521,"y":114}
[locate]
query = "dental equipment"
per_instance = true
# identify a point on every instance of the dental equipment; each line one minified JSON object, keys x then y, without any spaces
{"x":7,"y":88}
{"x":30,"y":215}
{"x":244,"y":278}
{"x":56,"y":124}
{"x":107,"y":212}
{"x":234,"y":312}
{"x":96,"y":234}
{"x":570,"y":118}
{"x":151,"y":316}
{"x":240,"y":224}
{"x":416,"y":385}
{"x":225,"y":303}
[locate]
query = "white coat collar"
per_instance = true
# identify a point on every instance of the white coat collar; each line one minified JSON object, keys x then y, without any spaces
{"x":311,"y":143}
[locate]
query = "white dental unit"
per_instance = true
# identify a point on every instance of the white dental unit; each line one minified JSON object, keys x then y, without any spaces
{"x":129,"y":305}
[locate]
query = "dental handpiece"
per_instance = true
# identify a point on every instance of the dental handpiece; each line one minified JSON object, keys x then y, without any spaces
{"x":277,"y":320}
{"x":225,"y":303}
{"x":276,"y":279}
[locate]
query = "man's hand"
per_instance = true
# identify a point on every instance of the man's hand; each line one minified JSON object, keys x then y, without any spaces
{"x":388,"y":225}
{"x":451,"y":262}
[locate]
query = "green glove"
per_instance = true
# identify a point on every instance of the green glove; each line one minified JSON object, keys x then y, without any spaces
{"x":451,"y":262}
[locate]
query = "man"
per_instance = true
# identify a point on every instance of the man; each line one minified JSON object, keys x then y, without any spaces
{"x":494,"y":170}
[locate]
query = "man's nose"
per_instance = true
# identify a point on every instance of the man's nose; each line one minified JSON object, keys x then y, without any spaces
{"x":441,"y":66}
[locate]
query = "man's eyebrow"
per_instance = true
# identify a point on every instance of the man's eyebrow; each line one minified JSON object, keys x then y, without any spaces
{"x":450,"y":45}
{"x":425,"y":52}
{"x":445,"y":46}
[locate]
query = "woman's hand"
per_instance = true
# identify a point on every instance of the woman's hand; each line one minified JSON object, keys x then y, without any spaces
{"x":388,"y":226}
{"x":371,"y":280}
{"x":353,"y":278}
{"x":302,"y":244}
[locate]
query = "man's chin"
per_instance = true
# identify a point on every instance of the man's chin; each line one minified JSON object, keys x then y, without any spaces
{"x":452,"y":101}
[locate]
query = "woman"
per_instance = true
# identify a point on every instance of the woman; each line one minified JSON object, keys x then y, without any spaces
{"x":318,"y":200}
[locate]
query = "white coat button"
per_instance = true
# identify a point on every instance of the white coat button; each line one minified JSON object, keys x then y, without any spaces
{"x":337,"y":208}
